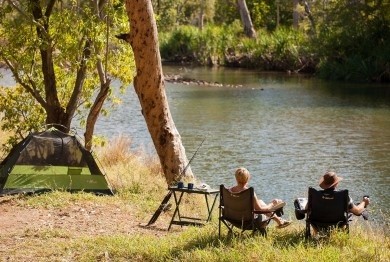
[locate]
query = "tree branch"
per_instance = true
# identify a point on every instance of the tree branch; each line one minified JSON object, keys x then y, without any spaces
{"x":47,"y":58}
{"x":50,"y":7}
{"x":80,"y":77}
{"x":32,"y":90}
{"x":17,"y":8}
{"x":94,"y":112}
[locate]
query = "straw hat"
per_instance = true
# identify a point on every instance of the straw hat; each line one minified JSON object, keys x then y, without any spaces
{"x":330,"y":179}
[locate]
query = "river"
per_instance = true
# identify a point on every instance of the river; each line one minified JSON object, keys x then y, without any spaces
{"x":286,"y":129}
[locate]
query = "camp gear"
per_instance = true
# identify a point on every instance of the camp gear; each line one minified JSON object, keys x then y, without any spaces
{"x":327,"y":209}
{"x":166,"y":199}
{"x":192,"y":219}
{"x":236,"y":210}
{"x":300,"y":207}
{"x":51,"y":160}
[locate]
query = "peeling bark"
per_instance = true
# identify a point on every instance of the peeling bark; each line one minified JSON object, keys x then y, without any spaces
{"x":150,"y":88}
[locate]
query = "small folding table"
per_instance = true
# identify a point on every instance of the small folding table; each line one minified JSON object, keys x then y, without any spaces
{"x":178,"y":219}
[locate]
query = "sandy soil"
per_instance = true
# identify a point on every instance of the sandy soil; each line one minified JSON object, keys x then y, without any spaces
{"x":18,"y":223}
{"x":89,"y":219}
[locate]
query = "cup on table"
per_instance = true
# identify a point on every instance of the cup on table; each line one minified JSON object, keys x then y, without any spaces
{"x":180,"y":184}
{"x":190,"y":186}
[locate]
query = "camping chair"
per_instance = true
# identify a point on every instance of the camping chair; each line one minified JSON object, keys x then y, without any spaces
{"x":236,"y":210}
{"x":327,"y":209}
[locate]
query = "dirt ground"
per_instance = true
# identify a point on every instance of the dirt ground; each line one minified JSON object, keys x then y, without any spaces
{"x":87,"y":219}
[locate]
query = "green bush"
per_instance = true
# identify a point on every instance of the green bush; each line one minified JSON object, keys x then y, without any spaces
{"x":353,"y":42}
{"x":190,"y":44}
{"x":284,"y":49}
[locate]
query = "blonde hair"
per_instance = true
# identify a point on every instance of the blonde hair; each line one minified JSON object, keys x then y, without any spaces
{"x":242,"y":175}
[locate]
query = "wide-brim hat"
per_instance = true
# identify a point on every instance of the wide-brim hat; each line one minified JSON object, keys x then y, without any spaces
{"x":330,"y":179}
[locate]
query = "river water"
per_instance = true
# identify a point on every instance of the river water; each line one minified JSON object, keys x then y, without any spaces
{"x":287,"y":130}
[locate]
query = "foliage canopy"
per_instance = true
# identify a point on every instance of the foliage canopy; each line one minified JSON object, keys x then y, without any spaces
{"x":62,"y":56}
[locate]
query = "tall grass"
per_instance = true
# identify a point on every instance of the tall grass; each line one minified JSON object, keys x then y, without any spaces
{"x":202,"y":244}
{"x":190,"y":44}
{"x":282,"y":50}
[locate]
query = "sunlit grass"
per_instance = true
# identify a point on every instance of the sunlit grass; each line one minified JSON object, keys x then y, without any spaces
{"x":202,"y":244}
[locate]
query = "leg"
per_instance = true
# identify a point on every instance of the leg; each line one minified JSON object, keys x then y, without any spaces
{"x":281,"y":222}
{"x":307,"y":230}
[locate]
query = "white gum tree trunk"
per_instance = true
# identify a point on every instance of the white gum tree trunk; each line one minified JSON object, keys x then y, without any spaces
{"x":150,"y":88}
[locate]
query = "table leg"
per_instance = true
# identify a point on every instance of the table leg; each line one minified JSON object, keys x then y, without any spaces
{"x":210,"y":210}
{"x":177,"y":211}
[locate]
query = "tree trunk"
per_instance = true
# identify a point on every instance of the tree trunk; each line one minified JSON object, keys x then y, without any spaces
{"x":55,"y":113}
{"x":295,"y":14}
{"x":201,"y":15}
{"x":246,"y":19}
{"x":277,"y":13}
{"x":149,"y":86}
{"x":61,"y":115}
{"x":310,"y":15}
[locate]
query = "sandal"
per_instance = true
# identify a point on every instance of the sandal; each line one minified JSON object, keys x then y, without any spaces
{"x":284,"y":224}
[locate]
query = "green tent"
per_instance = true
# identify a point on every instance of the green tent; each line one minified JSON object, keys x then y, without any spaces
{"x":51,"y":160}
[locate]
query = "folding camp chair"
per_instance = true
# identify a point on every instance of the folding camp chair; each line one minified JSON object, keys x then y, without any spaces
{"x":327,"y":209}
{"x":236,"y":210}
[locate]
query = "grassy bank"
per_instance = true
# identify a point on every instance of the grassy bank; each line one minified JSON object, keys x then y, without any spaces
{"x":141,"y":187}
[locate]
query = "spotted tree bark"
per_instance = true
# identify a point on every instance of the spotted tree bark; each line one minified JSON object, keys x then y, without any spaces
{"x":150,"y":88}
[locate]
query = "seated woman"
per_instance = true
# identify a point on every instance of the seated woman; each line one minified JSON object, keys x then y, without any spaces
{"x":242,"y":178}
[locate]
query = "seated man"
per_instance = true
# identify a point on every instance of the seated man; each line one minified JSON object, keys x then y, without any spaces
{"x":242,"y":178}
{"x":330,"y":180}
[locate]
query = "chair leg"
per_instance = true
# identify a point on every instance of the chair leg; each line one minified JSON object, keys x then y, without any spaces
{"x":228,"y":226}
{"x":307,"y":230}
{"x":263,"y":231}
{"x":261,"y":228}
{"x":219,"y":229}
